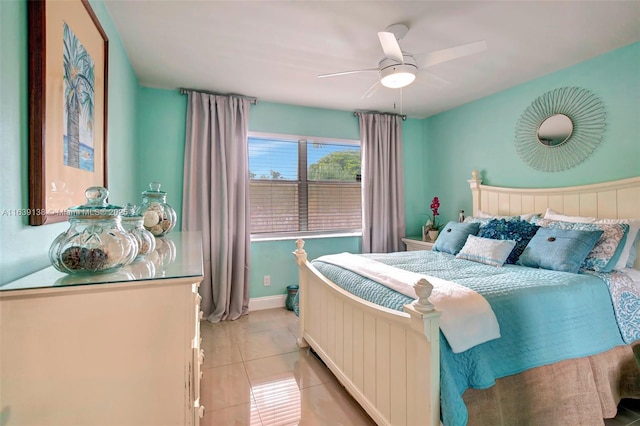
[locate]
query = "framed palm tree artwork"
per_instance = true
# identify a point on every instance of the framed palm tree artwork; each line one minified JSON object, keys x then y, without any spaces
{"x":68,"y":64}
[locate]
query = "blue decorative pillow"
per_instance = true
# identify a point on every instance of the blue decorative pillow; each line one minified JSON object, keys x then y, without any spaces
{"x":480,"y":220}
{"x":519,"y":231}
{"x":453,"y":236}
{"x":603,"y":255}
{"x":559,"y":249}
{"x":485,"y":250}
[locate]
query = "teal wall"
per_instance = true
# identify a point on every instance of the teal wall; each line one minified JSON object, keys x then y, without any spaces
{"x":146,"y":132}
{"x":161,"y":135}
{"x":122,"y":115}
{"x":160,"y":143}
{"x":480,"y":135}
{"x":23,"y":248}
{"x":417,"y":194}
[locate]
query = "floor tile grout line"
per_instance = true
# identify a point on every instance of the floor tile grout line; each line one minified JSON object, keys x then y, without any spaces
{"x":270,"y":356}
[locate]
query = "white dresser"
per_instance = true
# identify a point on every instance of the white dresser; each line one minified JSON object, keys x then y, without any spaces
{"x":116,"y":349}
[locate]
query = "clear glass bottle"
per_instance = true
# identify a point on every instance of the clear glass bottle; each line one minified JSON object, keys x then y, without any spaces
{"x":159,"y":218}
{"x":95,"y":242}
{"x":133,"y":223}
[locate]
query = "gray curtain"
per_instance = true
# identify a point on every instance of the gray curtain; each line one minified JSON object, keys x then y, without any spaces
{"x":216,"y":199}
{"x":382,"y":183}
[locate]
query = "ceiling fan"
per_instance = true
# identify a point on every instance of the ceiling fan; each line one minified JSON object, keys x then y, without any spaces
{"x":398,"y":69}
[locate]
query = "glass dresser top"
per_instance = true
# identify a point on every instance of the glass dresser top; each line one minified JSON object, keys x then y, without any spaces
{"x":177,"y":255}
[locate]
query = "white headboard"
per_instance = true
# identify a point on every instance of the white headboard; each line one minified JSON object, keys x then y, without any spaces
{"x":618,"y":199}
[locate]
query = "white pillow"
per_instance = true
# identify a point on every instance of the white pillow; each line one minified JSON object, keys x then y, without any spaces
{"x":628,"y":255}
{"x":486,"y":250}
{"x":553,"y":215}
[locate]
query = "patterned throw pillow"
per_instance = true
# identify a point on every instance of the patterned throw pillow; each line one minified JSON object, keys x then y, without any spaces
{"x":483,"y":218}
{"x":628,"y":254}
{"x":559,"y":249}
{"x":485,"y":250}
{"x":604,"y":254}
{"x":483,"y":215}
{"x":519,"y":231}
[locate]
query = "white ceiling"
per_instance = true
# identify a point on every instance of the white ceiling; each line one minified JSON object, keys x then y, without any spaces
{"x":273,"y":50}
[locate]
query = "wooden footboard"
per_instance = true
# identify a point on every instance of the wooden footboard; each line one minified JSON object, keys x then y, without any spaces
{"x":388,"y":360}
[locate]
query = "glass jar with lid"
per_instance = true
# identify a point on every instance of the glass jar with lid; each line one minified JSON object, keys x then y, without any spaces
{"x":95,"y":242}
{"x":158,"y":217}
{"x":133,"y":223}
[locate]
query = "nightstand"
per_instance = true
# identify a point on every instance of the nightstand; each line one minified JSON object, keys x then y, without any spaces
{"x":416,"y":243}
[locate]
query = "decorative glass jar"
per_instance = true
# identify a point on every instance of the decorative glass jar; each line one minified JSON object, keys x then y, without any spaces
{"x":95,"y":242}
{"x":158,"y":217}
{"x":133,"y":223}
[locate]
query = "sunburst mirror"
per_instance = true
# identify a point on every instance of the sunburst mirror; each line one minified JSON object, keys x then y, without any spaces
{"x":560,"y":129}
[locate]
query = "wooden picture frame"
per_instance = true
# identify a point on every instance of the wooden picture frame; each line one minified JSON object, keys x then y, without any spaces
{"x":68,"y":72}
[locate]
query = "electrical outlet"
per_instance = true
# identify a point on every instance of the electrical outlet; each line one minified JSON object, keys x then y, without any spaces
{"x":267,"y":280}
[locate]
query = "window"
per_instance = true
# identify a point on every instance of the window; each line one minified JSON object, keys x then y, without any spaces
{"x":299,"y":185}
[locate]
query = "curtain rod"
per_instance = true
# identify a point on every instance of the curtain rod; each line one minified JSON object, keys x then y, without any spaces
{"x":254,"y":101}
{"x":357,"y":113}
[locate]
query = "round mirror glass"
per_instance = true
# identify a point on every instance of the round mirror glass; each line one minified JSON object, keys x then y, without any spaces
{"x":555,"y":130}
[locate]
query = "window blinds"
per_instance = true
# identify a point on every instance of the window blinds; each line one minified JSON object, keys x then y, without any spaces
{"x":304,"y":186}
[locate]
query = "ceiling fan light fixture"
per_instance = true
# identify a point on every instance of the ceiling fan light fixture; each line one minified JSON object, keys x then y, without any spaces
{"x":398,"y":76}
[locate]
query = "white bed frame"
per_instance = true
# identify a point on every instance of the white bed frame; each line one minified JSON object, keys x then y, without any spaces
{"x":390,"y":360}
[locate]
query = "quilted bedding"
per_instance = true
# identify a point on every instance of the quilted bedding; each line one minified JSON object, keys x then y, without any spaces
{"x":544,"y":317}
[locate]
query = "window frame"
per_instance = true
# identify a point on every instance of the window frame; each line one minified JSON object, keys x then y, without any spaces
{"x":303,"y":186}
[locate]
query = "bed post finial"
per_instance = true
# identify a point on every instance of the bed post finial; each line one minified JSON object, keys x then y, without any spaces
{"x":300,"y":254}
{"x":423,"y":290}
{"x":474,"y":184}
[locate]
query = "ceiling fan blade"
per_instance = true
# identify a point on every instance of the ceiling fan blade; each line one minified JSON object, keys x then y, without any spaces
{"x":427,"y":59}
{"x":371,"y":90}
{"x":333,"y":74}
{"x":427,"y":75}
{"x":390,"y":46}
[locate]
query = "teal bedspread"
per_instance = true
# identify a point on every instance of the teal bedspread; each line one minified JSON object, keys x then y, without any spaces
{"x":544,"y":317}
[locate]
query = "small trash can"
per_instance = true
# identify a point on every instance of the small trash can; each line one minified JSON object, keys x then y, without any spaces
{"x":292,"y":290}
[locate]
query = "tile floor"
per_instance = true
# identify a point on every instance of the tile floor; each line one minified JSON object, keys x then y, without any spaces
{"x":255,"y":374}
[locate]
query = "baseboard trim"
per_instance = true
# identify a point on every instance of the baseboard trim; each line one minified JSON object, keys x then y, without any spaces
{"x":267,"y":302}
